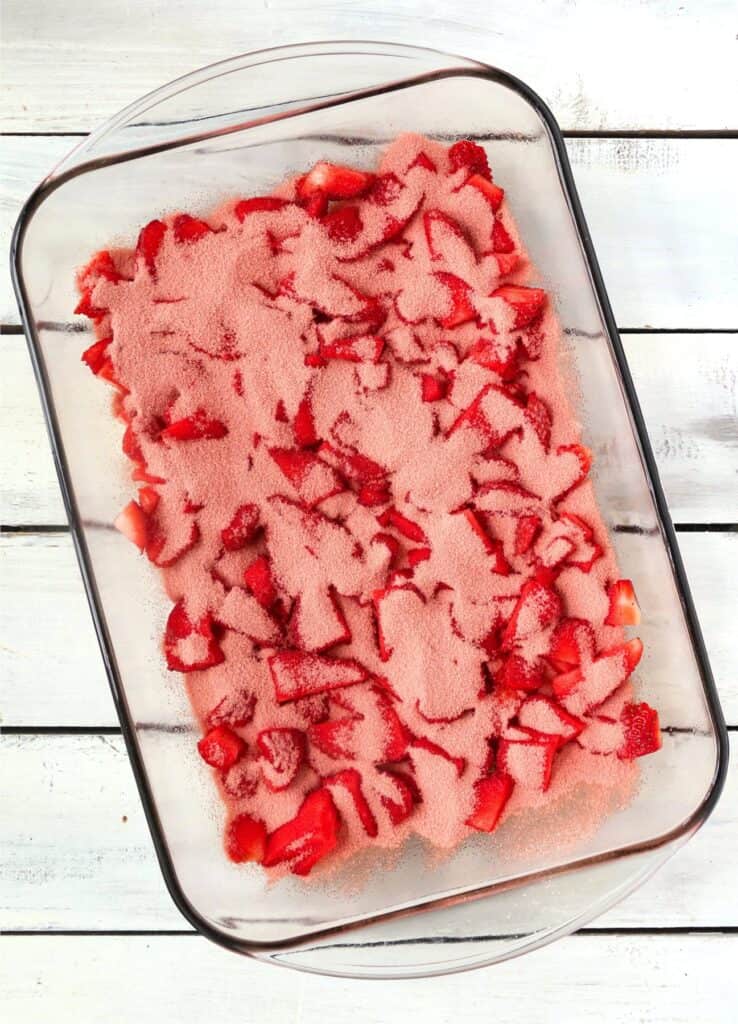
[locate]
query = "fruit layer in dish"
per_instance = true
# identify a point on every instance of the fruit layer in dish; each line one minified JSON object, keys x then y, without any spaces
{"x":395,"y":606}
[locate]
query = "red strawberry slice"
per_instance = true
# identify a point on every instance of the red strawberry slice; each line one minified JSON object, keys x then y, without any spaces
{"x":221,"y":747}
{"x":588,"y":686}
{"x":441,"y":232}
{"x":397,"y":521}
{"x":417,"y":555}
{"x":527,"y":529}
{"x":241,"y":612}
{"x":385,"y":189}
{"x":491,"y":192}
{"x":235,"y":710}
{"x":96,"y":355}
{"x":283,"y":753}
{"x":315,"y":708}
{"x":318,"y":622}
{"x":258,"y":578}
{"x":433,"y":389}
{"x":539,"y":416}
{"x":242,"y":528}
{"x":131,"y":446}
{"x":350,"y":780}
{"x":108,"y":374}
{"x":400,"y":804}
{"x":552,"y":551}
{"x":358,"y":348}
{"x":507,"y":498}
{"x":493,"y":355}
{"x":424,"y":161}
{"x":304,"y":424}
{"x":471,"y":156}
{"x":537,"y":607}
{"x":242,"y":780}
{"x":572,"y":642}
{"x":373,"y":494}
{"x":197,"y":427}
{"x":148,"y":499}
{"x":311,"y":835}
{"x":354,"y":465}
{"x":86,"y":307}
{"x":624,"y":610}
{"x":314,"y":205}
{"x":490,"y":796}
{"x":245,"y":839}
{"x":580,"y":459}
{"x":299,"y":673}
{"x":190,"y":646}
{"x":258,"y":204}
{"x":541,"y":715}
{"x":461,"y":310}
{"x":165,"y":550}
{"x":149,"y":243}
{"x":336,"y":738}
{"x":526,"y":302}
{"x":642,"y":731}
{"x":334,"y":181}
{"x":343,"y":225}
{"x":528,"y":762}
{"x":501,"y":240}
{"x":313,"y":479}
{"x":189,"y":229}
{"x":519,"y":674}
{"x":423,"y":743}
{"x":132,"y":523}
{"x":100,"y":266}
{"x":602,"y":735}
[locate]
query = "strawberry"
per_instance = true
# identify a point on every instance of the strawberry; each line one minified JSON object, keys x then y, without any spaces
{"x":527,"y":303}
{"x":357,"y":348}
{"x":242,"y":528}
{"x":461,"y":310}
{"x":397,"y":521}
{"x":527,"y":529}
{"x":132,"y":522}
{"x":491,"y":192}
{"x":343,"y":225}
{"x":308,"y":837}
{"x":350,"y":780}
{"x":235,"y":709}
{"x":258,"y":204}
{"x":131,"y":446}
{"x":586,"y":687}
{"x":528,"y":762}
{"x":543,"y":716}
{"x":424,"y":161}
{"x":164,"y":551}
{"x":190,"y":646}
{"x":373,"y":494}
{"x":315,"y":205}
{"x":258,"y":578}
{"x":417,"y":555}
{"x":501,"y":240}
{"x":395,"y":735}
{"x":299,"y":673}
{"x":538,"y":415}
{"x":423,"y":743}
{"x":242,"y":780}
{"x":537,"y":607}
{"x":624,"y":610}
{"x":519,"y":674}
{"x":642,"y":731}
{"x":313,"y":479}
{"x":493,"y":356}
{"x":572,"y":640}
{"x":304,"y":425}
{"x":86,"y":307}
{"x":221,"y":747}
{"x":189,"y":229}
{"x":149,"y":243}
{"x":245,"y":839}
{"x":583,"y":456}
{"x":335,"y":738}
{"x":405,"y":796}
{"x":100,"y":266}
{"x":433,"y":389}
{"x":354,"y":465}
{"x":96,"y":354}
{"x":334,"y":181}
{"x":197,"y":427}
{"x":472,"y":157}
{"x":318,"y":622}
{"x":148,"y":499}
{"x":439,"y":229}
{"x":283,"y":753}
{"x":280,"y":413}
{"x":490,"y":796}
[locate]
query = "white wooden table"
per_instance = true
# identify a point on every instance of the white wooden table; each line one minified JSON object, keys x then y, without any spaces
{"x":647,"y":94}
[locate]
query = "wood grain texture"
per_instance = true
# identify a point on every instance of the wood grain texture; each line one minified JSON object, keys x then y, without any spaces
{"x":53,"y":673}
{"x":668,"y":261}
{"x":77,"y":855}
{"x":66,"y":70}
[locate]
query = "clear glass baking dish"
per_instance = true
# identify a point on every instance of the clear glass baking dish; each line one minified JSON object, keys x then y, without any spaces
{"x":239,"y":127}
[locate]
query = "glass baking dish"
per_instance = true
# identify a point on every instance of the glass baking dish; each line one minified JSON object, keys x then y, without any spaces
{"x":239,"y":127}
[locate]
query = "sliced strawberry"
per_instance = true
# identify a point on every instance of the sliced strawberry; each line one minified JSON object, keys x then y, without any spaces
{"x":86,"y":307}
{"x":304,"y":424}
{"x":424,"y":161}
{"x":149,"y":243}
{"x":433,"y":389}
{"x":258,"y":578}
{"x":471,"y":156}
{"x":501,"y":240}
{"x":315,"y":205}
{"x":96,"y":355}
{"x":299,"y":673}
{"x":490,"y":796}
{"x":336,"y":738}
{"x":566,"y":683}
{"x":312,"y":709}
{"x":491,"y":192}
{"x":311,"y":835}
{"x":132,"y":523}
{"x":624,"y":610}
{"x":528,"y":762}
{"x":373,"y":494}
{"x":197,"y":427}
{"x":188,"y":646}
{"x":395,"y":735}
{"x":439,"y":230}
{"x":165,"y":550}
{"x":318,"y":622}
{"x":583,"y":457}
{"x":245,"y":839}
{"x":572,"y":640}
{"x":283,"y":753}
{"x":417,"y":555}
{"x":189,"y":229}
{"x":100,"y":266}
{"x":537,"y":607}
{"x":242,"y":780}
{"x":461,"y":310}
{"x":221,"y":747}
{"x":586,"y":687}
{"x":519,"y":674}
{"x":350,"y":780}
{"x":527,"y":303}
{"x":397,"y":521}
{"x":527,"y":529}
{"x":131,"y":446}
{"x":241,"y":612}
{"x":494,"y":356}
{"x":544,"y":716}
{"x":343,"y":225}
{"x":258,"y":204}
{"x":423,"y":743}
{"x":334,"y":181}
{"x":280,"y":413}
{"x":235,"y":709}
{"x":642,"y":731}
{"x":242,"y":528}
{"x":354,"y":465}
{"x":400,"y":805}
{"x":312,"y":478}
{"x":385,"y":189}
{"x":538,"y":414}
{"x":148,"y":499}
{"x":357,"y":348}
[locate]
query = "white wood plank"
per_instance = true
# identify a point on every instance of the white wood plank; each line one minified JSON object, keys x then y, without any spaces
{"x":687,"y":385}
{"x":661,"y":979}
{"x":77,"y":855}
{"x":669,"y":253}
{"x":67,"y":69}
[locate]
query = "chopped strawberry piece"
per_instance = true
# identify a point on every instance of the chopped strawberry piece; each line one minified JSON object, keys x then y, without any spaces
{"x":344,"y":224}
{"x":312,"y":478}
{"x":86,"y":307}
{"x":461,"y":309}
{"x":586,"y":687}
{"x":527,"y":303}
{"x":350,"y":780}
{"x":245,"y":839}
{"x":336,"y":738}
{"x":235,"y":710}
{"x":397,"y":521}
{"x":280,"y":413}
{"x":373,"y":494}
{"x":501,"y":240}
{"x":96,"y":355}
{"x":544,"y":716}
{"x":405,"y":796}
{"x":567,"y":682}
{"x":189,"y":229}
{"x":197,"y":427}
{"x":503,"y":360}
{"x":149,"y":243}
{"x":258,"y":204}
{"x":490,"y":796}
{"x":573,"y":639}
{"x":642,"y":731}
{"x":131,"y":446}
{"x":334,"y":181}
{"x":258,"y":578}
{"x":624,"y":610}
{"x":417,"y":555}
{"x":311,"y":835}
{"x":148,"y":499}
{"x":540,"y":418}
{"x":584,"y":457}
{"x":527,"y":529}
{"x":433,"y":389}
{"x":355,"y":466}
{"x":318,"y":622}
{"x":304,"y":425}
{"x":299,"y":673}
{"x":221,"y":747}
{"x":491,"y":192}
{"x":471,"y":156}
{"x":519,"y":674}
{"x":165,"y":551}
{"x":537,"y":607}
{"x":439,"y":227}
{"x":423,"y":743}
{"x":424,"y":161}
{"x":242,"y":528}
{"x":283,"y":751}
{"x":315,"y":205}
{"x":132,"y":523}
{"x":385,"y":189}
{"x":100,"y":266}
{"x":188,"y":646}
{"x":358,"y":348}
{"x":528,"y":762}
